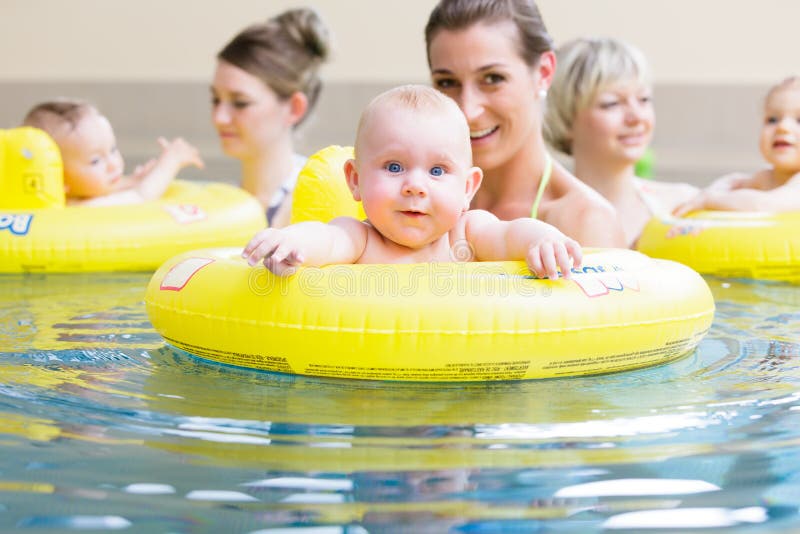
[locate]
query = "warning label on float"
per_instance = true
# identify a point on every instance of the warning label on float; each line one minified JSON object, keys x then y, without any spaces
{"x":461,"y":372}
{"x":517,"y":369}
{"x":264,"y":362}
{"x":620,"y":362}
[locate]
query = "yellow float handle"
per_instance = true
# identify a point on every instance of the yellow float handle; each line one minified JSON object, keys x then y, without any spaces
{"x":31,"y":171}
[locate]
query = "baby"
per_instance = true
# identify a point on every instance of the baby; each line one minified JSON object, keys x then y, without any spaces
{"x":93,"y":165}
{"x":776,"y":188}
{"x":413,"y":174}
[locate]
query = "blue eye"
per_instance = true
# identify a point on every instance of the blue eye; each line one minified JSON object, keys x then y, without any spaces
{"x":394,"y":167}
{"x":437,"y":171}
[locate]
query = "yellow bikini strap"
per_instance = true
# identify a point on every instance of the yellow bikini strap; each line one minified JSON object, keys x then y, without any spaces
{"x":548,"y":170}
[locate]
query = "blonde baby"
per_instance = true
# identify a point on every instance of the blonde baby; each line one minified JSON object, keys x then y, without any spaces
{"x":413,"y":174}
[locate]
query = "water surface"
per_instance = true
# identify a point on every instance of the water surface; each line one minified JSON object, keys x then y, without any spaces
{"x":103,"y":427}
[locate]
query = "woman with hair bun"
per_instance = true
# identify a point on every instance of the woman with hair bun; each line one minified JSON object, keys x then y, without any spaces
{"x":265,"y":84}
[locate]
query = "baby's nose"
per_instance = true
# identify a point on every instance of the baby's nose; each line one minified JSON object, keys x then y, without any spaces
{"x":414,"y":185}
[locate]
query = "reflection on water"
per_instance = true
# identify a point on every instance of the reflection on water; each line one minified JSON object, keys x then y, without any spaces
{"x":102,"y":427}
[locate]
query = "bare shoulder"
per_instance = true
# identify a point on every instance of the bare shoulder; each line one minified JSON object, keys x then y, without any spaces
{"x":589,"y":221}
{"x":571,"y":194}
{"x":582,"y":207}
{"x":352,"y":226}
{"x":470,"y":217}
{"x":469,"y":222}
{"x":350,"y":239}
{"x":583,"y":214}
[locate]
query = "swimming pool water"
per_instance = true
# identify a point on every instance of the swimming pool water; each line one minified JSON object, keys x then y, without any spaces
{"x":103,"y":428}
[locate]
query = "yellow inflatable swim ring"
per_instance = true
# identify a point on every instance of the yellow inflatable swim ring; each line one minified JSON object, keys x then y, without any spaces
{"x":431,"y":322}
{"x":39,"y":233}
{"x":321,"y":193}
{"x":729,"y":244}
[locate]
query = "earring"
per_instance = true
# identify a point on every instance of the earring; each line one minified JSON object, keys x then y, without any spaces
{"x":542,"y":93}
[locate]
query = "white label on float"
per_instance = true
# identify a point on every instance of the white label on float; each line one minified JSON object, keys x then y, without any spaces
{"x":185,"y":213}
{"x":599,"y":284}
{"x":180,"y":274}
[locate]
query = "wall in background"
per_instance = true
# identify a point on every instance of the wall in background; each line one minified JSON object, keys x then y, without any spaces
{"x":688,"y":41}
{"x":147,"y":63}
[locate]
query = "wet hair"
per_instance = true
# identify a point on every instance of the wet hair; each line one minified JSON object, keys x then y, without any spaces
{"x":792,"y":82}
{"x":585,"y":67}
{"x":420,"y":98}
{"x":59,"y":116}
{"x":454,"y":15}
{"x":285,"y":53}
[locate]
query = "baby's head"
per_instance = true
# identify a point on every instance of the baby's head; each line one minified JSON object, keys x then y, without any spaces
{"x":780,"y":135}
{"x":587,"y":67}
{"x":92,"y":164}
{"x":413,"y":164}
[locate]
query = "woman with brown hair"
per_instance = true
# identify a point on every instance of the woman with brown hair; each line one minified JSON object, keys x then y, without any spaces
{"x":265,"y":84}
{"x":496,"y":60}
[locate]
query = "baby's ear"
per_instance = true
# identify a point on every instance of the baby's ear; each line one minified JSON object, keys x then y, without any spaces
{"x":474,"y":179}
{"x":351,"y":175}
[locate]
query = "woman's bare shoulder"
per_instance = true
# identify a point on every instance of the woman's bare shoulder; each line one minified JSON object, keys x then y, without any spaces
{"x":583,"y":214}
{"x":572,"y":191}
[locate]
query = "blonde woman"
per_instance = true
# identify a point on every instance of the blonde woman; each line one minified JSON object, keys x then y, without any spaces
{"x":600,"y":112}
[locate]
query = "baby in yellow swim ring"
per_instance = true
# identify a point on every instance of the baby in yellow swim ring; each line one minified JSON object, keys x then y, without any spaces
{"x":776,"y":188}
{"x":93,"y":165}
{"x":413,"y":174}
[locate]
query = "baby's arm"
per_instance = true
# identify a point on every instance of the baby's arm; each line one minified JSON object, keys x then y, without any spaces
{"x":308,"y":243}
{"x":541,"y":245}
{"x":729,"y":182}
{"x":156,"y":177}
{"x":150,"y":180}
{"x":739,"y":193}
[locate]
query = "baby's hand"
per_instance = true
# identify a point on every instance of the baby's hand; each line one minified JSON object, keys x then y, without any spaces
{"x":273,"y":246}
{"x":695,"y":203}
{"x":544,"y":257}
{"x":180,"y":152}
